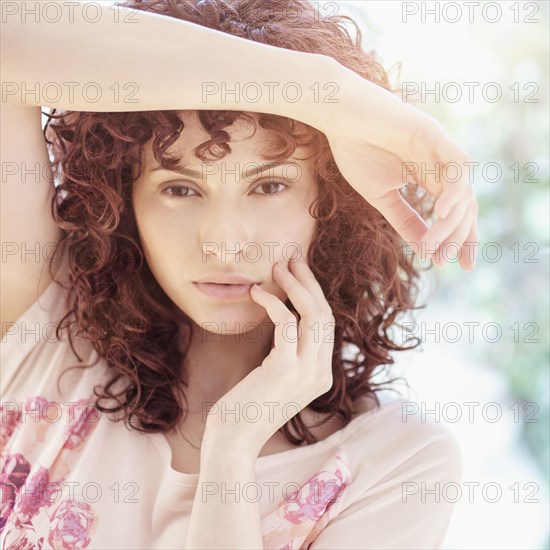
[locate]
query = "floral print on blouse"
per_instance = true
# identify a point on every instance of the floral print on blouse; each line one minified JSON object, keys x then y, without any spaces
{"x":37,"y":507}
{"x":29,"y":490}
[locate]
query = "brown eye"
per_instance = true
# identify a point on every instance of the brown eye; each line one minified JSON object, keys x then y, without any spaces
{"x":272,"y":186}
{"x":178,"y":191}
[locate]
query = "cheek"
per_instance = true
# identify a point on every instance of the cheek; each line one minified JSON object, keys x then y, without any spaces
{"x":164,"y":235}
{"x":296,"y":225}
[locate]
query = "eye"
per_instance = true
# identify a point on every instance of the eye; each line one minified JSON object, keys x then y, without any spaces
{"x":178,"y":189}
{"x":183,"y":191}
{"x":272,"y":185}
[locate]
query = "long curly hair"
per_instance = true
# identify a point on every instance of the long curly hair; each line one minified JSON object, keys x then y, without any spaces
{"x":117,"y":304}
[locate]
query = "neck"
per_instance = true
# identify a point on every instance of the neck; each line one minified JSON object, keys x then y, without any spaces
{"x":215,"y":363}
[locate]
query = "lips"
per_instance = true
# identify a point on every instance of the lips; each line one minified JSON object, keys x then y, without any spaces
{"x":224,"y":291}
{"x":225,"y":278}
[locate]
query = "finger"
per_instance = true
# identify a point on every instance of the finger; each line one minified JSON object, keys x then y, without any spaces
{"x":452,"y":194}
{"x":469,"y":250}
{"x":306,"y":305}
{"x":454,"y":243}
{"x":458,"y":236}
{"x":326,"y":341}
{"x":323,"y":330}
{"x":301,"y":270}
{"x":286,"y":324}
{"x":442,"y":229}
{"x":463,"y":244}
{"x":401,"y":216}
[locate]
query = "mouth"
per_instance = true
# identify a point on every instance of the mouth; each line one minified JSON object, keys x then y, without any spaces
{"x":224,"y":291}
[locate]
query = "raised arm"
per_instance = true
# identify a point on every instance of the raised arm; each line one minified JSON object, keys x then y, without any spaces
{"x":114,"y":59}
{"x":109,"y":59}
{"x":104,"y":58}
{"x":133,"y":60}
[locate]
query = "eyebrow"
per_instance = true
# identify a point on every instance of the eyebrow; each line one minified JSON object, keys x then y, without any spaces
{"x":249,"y":173}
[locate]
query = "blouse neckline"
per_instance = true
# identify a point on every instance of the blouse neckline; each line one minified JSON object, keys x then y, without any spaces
{"x":191,"y":480}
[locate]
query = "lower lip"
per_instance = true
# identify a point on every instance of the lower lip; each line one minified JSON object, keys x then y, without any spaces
{"x":225,"y":292}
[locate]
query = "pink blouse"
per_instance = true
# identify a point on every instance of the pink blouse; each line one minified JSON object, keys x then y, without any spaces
{"x":71,"y":478}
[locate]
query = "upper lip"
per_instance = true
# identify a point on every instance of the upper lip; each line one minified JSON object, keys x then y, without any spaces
{"x":224,"y":278}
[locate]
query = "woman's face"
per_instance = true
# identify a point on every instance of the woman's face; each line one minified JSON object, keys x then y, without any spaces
{"x":223,"y":219}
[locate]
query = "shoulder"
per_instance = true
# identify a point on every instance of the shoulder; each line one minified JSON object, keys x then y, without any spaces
{"x":50,"y":303}
{"x":32,"y":356}
{"x":405,"y":470}
{"x":392,"y":439}
{"x":34,"y":327}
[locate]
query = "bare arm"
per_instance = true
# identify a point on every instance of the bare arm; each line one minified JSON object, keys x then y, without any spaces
{"x":141,"y":61}
{"x":221,"y":516}
{"x":109,"y":59}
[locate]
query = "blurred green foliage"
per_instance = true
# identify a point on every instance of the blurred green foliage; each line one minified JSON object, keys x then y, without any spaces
{"x":512,"y":291}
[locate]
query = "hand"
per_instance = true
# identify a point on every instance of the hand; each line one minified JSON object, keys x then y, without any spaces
{"x":297,"y":370}
{"x":372,"y":133}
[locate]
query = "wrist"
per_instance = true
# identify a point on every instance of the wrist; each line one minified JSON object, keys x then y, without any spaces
{"x":340,"y":80}
{"x":322,"y":95}
{"x":221,"y":442}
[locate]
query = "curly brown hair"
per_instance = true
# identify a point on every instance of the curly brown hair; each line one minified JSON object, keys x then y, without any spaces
{"x":356,"y":256}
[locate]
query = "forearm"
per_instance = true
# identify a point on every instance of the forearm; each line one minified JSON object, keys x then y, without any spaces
{"x":222,"y":516}
{"x":175,"y":64}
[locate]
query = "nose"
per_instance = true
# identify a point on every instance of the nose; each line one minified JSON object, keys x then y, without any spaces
{"x":225,"y":231}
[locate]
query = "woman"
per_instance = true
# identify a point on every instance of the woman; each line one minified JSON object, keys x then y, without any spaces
{"x":177,"y":191}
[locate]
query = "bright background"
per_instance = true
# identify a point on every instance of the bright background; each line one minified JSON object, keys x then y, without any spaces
{"x":511,"y":371}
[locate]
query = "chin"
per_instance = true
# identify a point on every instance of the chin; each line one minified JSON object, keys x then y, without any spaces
{"x":229,"y":318}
